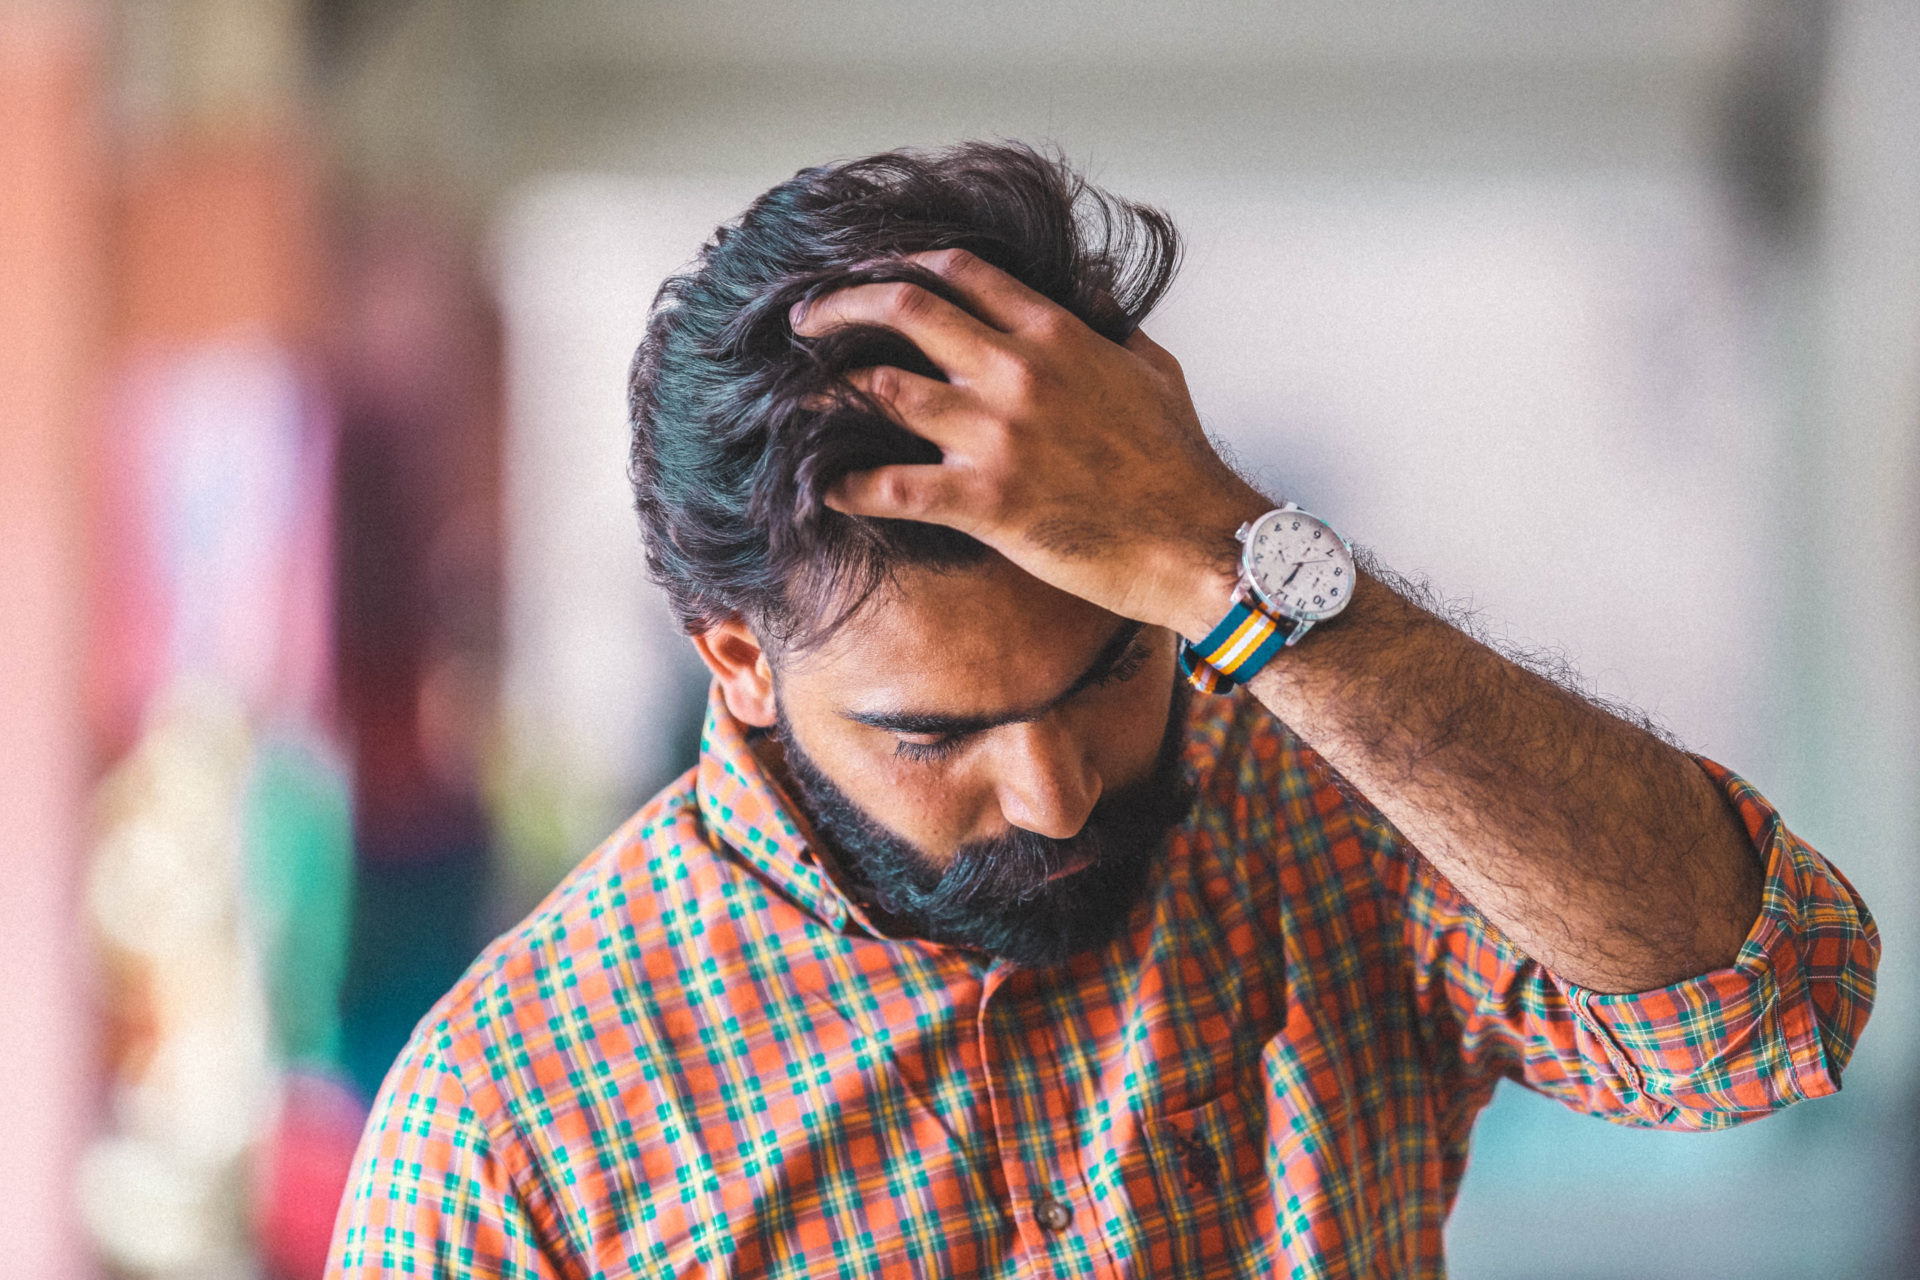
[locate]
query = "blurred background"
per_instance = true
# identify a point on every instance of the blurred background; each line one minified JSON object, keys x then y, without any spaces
{"x":326,"y":649}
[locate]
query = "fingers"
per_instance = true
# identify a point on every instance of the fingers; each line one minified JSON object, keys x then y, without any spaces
{"x":928,"y":407}
{"x":960,"y":345}
{"x":993,"y":295}
{"x":996,"y":300}
{"x":929,"y":493}
{"x":909,"y":397}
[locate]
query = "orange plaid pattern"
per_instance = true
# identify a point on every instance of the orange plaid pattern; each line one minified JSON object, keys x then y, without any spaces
{"x":699,"y":1058}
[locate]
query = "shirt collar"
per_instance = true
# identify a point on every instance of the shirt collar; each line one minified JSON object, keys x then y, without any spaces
{"x":746,"y":808}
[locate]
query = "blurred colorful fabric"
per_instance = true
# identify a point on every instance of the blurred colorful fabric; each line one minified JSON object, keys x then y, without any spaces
{"x":221,"y":874}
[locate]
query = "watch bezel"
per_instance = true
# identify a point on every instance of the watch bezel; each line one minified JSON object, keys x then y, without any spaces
{"x":1252,"y":582}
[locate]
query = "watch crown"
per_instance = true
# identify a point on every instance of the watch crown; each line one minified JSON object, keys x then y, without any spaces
{"x":1240,"y":534}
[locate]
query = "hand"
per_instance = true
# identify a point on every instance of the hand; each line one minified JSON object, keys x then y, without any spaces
{"x":1079,"y":460}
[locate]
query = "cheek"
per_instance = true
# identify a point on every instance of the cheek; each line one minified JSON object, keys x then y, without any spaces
{"x":933,"y":806}
{"x":1125,"y":726}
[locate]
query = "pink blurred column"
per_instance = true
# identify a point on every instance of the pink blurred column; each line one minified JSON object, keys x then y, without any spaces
{"x":51,"y":237}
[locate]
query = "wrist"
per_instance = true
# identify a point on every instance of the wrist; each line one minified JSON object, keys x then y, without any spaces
{"x":1204,"y":573}
{"x":1294,"y":573}
{"x":1208,"y":596}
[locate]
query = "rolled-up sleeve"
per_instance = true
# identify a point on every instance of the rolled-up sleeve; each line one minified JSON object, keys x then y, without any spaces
{"x":1776,"y":1027}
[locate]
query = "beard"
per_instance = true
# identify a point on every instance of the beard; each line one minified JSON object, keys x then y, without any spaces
{"x":999,"y":895}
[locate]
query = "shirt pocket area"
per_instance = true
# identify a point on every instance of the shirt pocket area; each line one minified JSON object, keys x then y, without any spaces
{"x":1201,"y":1189}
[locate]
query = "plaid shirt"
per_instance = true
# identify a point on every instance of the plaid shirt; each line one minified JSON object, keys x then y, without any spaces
{"x":698,"y":1058}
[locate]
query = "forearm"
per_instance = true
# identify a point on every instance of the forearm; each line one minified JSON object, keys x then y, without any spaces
{"x":1601,"y":851}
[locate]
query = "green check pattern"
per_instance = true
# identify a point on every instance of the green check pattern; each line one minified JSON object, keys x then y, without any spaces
{"x":699,"y":1058}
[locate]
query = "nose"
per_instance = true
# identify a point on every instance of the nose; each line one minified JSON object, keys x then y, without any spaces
{"x":1047,"y":784}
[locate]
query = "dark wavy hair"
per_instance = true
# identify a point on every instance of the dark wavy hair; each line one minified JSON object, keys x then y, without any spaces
{"x":740,"y":427}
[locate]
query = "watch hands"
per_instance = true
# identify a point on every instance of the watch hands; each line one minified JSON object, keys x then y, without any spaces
{"x":1298,"y":565}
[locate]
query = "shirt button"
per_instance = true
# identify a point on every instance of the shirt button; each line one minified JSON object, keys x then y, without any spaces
{"x":1053,"y":1214}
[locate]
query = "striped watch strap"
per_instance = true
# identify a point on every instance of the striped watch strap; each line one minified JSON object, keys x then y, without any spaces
{"x":1234,"y":651}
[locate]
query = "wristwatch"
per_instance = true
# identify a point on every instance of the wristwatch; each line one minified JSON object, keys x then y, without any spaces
{"x":1295,"y":572}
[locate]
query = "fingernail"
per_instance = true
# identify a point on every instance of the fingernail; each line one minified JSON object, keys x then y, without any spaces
{"x":797,"y":313}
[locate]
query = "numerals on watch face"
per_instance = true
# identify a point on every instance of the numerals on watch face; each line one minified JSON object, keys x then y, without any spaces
{"x":1299,"y":565}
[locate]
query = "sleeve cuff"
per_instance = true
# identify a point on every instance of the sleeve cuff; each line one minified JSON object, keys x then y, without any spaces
{"x":1775,"y":1027}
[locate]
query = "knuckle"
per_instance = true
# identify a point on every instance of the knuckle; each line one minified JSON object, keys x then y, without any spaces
{"x":1055,"y":324}
{"x":949,"y":261}
{"x":904,"y":301}
{"x":897,"y":494}
{"x":1021,"y":377}
{"x":883,"y":383}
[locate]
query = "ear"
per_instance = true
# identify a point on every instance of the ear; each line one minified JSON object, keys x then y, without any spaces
{"x":733,"y":653}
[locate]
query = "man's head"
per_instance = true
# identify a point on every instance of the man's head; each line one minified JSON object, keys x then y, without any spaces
{"x":995,"y":758}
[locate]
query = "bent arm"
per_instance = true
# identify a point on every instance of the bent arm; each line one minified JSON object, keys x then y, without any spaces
{"x":1777,"y":1026}
{"x":1598,"y":849}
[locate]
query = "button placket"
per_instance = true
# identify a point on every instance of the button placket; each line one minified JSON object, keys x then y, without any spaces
{"x":1041,"y":1215}
{"x":1034,"y":1097}
{"x":993,"y":1075}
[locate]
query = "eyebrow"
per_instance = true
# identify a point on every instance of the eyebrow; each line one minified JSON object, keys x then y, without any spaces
{"x":935,"y":723}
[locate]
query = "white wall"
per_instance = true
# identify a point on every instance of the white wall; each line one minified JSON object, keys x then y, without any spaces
{"x":597,"y":679}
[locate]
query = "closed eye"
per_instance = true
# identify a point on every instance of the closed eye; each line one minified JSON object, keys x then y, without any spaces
{"x":929,"y":752}
{"x":1127,"y":667}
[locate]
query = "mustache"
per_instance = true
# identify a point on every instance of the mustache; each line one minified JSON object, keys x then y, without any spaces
{"x":1020,"y":865}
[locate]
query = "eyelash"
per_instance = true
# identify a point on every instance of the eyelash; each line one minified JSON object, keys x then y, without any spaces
{"x":929,"y":752}
{"x":940,"y":748}
{"x":1129,"y":665}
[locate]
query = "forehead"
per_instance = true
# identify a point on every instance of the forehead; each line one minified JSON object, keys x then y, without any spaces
{"x":976,"y":639}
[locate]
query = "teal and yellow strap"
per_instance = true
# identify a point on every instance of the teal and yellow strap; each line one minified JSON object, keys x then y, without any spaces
{"x":1234,"y":651}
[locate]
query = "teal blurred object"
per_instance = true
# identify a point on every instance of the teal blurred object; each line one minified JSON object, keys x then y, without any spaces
{"x":299,"y":867}
{"x":418,"y":922}
{"x":1816,"y":1191}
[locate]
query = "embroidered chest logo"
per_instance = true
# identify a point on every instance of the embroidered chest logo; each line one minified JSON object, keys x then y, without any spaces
{"x":1199,"y":1166}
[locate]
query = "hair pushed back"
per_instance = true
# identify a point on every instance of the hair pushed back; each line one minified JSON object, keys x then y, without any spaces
{"x":740,"y":427}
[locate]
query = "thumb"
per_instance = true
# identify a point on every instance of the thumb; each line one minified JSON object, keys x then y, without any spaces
{"x":1158,"y":358}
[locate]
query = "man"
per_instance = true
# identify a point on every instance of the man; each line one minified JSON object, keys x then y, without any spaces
{"x":1046,"y":899}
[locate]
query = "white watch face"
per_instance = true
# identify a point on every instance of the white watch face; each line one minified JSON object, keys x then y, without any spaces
{"x":1299,"y":565}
